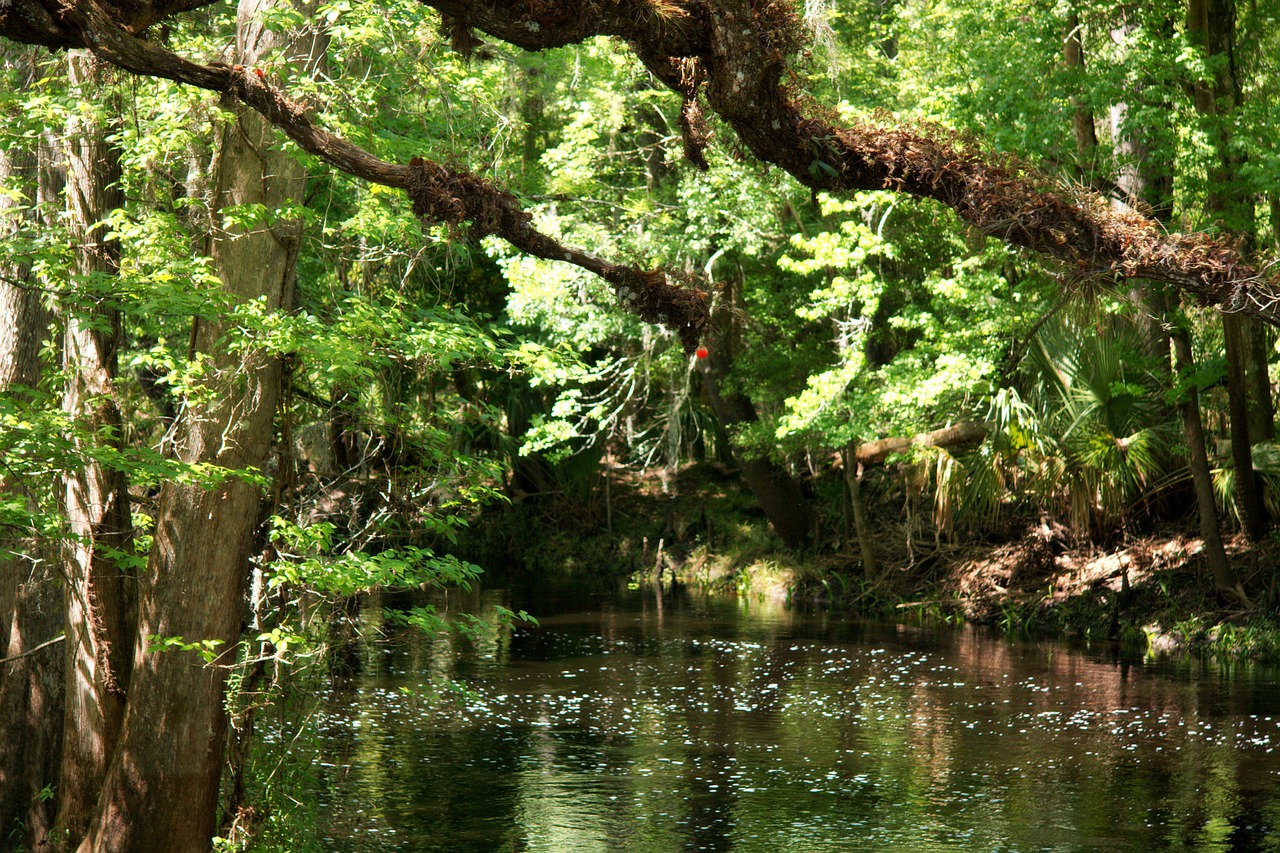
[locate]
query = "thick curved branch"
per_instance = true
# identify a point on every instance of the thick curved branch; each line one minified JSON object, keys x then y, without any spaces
{"x":439,"y":193}
{"x":42,"y":22}
{"x":742,"y":48}
{"x":669,"y":27}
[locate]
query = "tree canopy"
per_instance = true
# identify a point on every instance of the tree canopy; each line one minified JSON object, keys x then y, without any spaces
{"x":289,"y":290}
{"x":736,"y":56}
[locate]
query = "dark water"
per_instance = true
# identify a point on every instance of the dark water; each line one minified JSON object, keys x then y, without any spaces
{"x":710,"y":725}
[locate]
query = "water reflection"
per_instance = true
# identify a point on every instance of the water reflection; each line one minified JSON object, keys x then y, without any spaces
{"x":711,"y":726}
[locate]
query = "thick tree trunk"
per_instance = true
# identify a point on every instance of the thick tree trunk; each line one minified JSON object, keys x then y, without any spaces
{"x":98,"y":590}
{"x":25,"y":321}
{"x":162,"y":790}
{"x":31,"y":702}
{"x":31,"y":661}
{"x":775,"y":490}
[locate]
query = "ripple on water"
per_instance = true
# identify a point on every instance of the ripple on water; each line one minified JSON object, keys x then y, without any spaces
{"x":643,"y":733}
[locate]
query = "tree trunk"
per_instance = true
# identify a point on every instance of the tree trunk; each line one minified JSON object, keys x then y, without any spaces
{"x":162,"y":789}
{"x":866,"y":543}
{"x":98,"y":588}
{"x":1211,"y":27}
{"x":1201,"y":477}
{"x":31,"y":661}
{"x":1259,"y":346}
{"x":1142,"y":181}
{"x":775,"y":490}
{"x":1248,"y":494}
{"x":1081,"y":116}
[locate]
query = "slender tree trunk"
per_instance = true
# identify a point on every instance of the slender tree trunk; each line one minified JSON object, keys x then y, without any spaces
{"x":1235,"y":330}
{"x":161,"y":792}
{"x":866,"y":542}
{"x":31,"y":617}
{"x":98,"y":590}
{"x":1143,"y":183}
{"x":1258,"y":377}
{"x":1211,"y":27}
{"x":1081,"y":117}
{"x":1201,"y":477}
{"x":1273,"y":207}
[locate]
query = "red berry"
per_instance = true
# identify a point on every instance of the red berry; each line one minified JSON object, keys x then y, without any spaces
{"x":702,"y":352}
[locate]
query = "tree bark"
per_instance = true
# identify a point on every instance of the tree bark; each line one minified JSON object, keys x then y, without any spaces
{"x":954,"y":436}
{"x":1143,"y":183}
{"x":1259,"y":345}
{"x":98,"y":586}
{"x":31,"y":664}
{"x":1247,"y":488}
{"x":1211,"y":28}
{"x":1081,"y":116}
{"x":737,"y":51}
{"x":775,"y":490}
{"x":162,"y":789}
{"x":1193,"y":430}
{"x":866,"y":542}
{"x":25,"y":321}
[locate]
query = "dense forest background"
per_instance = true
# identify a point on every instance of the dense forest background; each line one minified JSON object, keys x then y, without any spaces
{"x":228,"y":369}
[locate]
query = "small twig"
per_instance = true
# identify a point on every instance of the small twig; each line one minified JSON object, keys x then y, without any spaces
{"x":46,"y":644}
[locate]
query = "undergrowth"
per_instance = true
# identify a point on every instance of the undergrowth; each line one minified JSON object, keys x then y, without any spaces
{"x":702,"y":529}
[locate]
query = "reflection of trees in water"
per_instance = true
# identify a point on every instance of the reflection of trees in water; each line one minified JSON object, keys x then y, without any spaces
{"x":1100,"y":745}
{"x":704,"y":729}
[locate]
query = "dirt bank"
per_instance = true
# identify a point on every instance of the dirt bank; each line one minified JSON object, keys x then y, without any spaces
{"x":699,"y":528}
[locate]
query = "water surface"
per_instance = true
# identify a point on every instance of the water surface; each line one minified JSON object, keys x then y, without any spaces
{"x":619,"y":724}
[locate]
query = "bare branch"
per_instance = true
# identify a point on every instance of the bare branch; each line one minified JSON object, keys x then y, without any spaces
{"x":34,"y":649}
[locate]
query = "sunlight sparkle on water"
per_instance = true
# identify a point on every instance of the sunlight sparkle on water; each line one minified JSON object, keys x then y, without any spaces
{"x":710,"y":729}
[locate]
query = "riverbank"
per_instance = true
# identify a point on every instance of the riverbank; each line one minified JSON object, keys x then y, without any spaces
{"x":700,"y":529}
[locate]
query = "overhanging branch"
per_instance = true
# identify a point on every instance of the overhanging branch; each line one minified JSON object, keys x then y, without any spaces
{"x":742,"y":48}
{"x":439,"y":193}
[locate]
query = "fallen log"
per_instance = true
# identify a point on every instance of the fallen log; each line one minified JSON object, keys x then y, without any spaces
{"x":959,"y":435}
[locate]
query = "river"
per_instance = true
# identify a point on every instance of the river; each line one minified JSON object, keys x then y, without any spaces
{"x":630,"y":723}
